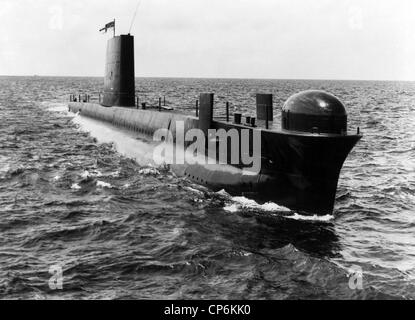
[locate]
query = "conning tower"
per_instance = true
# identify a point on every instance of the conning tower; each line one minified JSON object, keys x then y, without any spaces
{"x":119,"y":84}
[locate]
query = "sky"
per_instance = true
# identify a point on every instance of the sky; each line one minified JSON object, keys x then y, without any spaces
{"x":277,"y":39}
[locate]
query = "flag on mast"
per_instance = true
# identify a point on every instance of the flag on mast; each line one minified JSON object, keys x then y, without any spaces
{"x":109,"y":26}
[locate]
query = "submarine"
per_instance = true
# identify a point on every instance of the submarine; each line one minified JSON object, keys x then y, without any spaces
{"x":301,"y":158}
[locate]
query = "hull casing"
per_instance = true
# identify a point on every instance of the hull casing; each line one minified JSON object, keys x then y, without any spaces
{"x":298,"y":170}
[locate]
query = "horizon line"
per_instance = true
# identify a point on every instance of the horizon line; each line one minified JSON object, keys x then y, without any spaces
{"x":212,"y":78}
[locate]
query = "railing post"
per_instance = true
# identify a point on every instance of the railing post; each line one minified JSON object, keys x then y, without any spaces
{"x":237,"y":118}
{"x":197,"y":108}
{"x":159,"y":104}
{"x":267,"y":120}
{"x":227,"y":111}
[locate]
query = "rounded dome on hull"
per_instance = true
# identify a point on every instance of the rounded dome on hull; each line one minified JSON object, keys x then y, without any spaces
{"x":314,"y":111}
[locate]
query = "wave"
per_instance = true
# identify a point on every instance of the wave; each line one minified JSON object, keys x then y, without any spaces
{"x":245,"y":203}
{"x":93,"y":174}
{"x":149,"y":172}
{"x":76,"y":186}
{"x":299,"y":217}
{"x":104,"y":185}
{"x":237,"y":204}
{"x":56,"y":106}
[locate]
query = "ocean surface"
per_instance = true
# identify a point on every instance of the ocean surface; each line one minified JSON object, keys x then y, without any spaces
{"x":121,"y":229}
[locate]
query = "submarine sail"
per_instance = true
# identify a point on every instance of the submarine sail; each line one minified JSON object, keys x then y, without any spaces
{"x":119,"y":84}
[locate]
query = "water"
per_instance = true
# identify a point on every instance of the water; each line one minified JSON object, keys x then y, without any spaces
{"x":121,"y":229}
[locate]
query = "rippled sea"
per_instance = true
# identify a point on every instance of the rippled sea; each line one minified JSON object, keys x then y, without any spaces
{"x":123,"y":230}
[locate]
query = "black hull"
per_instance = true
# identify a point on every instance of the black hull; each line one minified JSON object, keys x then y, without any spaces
{"x":298,"y":170}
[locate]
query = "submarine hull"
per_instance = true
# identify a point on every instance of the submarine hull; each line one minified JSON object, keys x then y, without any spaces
{"x":298,"y":170}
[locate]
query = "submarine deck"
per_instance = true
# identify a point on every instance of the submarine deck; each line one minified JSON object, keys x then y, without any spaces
{"x":273,"y":126}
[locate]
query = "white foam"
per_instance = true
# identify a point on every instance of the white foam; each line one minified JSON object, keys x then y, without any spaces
{"x":115,"y":174}
{"x":233,"y":208}
{"x":300,"y":217}
{"x":57,"y":178}
{"x":76,"y":186}
{"x":223,"y":193}
{"x":96,"y":173}
{"x":4,"y":165}
{"x":124,"y":141}
{"x":87,"y":174}
{"x":194,"y":190}
{"x":241,"y":203}
{"x":149,"y":171}
{"x":245,"y":203}
{"x":56,"y":106}
{"x":102,"y":184}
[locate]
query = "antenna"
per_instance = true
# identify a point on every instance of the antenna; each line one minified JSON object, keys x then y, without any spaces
{"x":135,"y":15}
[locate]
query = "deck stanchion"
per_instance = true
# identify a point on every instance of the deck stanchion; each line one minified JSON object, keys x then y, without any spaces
{"x":237,"y":118}
{"x":227,"y":111}
{"x":267,"y":120}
